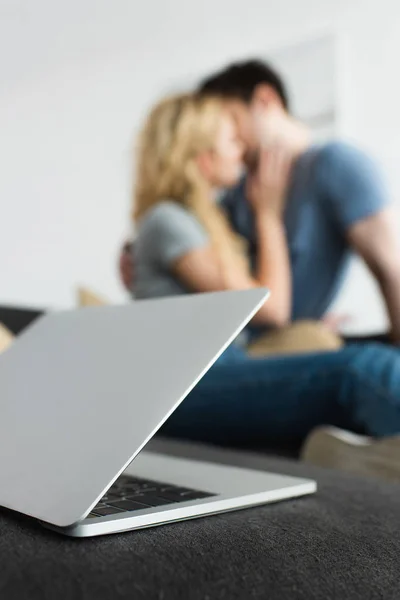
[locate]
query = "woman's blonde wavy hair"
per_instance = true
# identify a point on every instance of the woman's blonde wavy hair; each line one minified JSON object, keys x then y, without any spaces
{"x":177,"y":130}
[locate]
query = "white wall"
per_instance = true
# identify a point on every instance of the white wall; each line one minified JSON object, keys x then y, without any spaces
{"x":75,"y":79}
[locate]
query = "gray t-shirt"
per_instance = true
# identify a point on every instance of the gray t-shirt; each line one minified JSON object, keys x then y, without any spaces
{"x":166,"y":233}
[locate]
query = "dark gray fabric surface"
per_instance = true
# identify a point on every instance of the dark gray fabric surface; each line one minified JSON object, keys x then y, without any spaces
{"x":342,"y":543}
{"x":17,"y":319}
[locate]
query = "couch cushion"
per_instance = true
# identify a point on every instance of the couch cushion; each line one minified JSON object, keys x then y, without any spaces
{"x":6,"y":337}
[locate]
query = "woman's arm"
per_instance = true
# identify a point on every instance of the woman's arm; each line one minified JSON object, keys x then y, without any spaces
{"x":199,"y":271}
{"x":273,"y":267}
{"x":266,"y":191}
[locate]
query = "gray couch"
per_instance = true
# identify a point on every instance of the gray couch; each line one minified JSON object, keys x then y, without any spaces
{"x":341,"y":543}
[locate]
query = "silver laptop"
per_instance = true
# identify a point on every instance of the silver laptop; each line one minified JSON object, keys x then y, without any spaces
{"x":82,"y":392}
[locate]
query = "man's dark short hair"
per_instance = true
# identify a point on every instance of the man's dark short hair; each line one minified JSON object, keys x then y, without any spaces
{"x":239,"y":81}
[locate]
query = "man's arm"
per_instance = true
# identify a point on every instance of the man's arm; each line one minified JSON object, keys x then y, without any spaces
{"x":358,"y":201}
{"x":126,"y":267}
{"x":375,"y":240}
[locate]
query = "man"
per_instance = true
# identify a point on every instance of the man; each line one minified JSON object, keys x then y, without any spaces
{"x":336,"y":201}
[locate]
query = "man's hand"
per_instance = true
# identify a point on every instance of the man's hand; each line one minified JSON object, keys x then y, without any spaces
{"x":335,"y":322}
{"x":266,"y":189}
{"x":126,"y":266}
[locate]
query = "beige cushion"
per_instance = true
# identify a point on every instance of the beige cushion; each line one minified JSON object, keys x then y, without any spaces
{"x":6,"y":337}
{"x":87,"y":297}
{"x":298,"y":338}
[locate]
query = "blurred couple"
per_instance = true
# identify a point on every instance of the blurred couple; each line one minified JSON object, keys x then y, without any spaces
{"x":288,"y":222}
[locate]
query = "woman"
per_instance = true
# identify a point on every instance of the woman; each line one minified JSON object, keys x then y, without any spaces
{"x":180,"y":213}
{"x":189,"y":149}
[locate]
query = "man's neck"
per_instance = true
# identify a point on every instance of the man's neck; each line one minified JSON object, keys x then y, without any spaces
{"x":300,"y":140}
{"x":296,"y":140}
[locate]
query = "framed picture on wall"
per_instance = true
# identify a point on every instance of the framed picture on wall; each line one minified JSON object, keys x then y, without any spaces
{"x":309,"y":71}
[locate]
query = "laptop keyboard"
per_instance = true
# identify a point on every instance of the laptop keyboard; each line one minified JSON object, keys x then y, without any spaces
{"x":128,"y":494}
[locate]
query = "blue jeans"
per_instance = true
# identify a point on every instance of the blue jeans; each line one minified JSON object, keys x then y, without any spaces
{"x":246,"y":401}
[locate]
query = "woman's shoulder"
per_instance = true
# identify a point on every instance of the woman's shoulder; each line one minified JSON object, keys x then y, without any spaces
{"x":168,"y":231}
{"x":165,"y":210}
{"x":168,"y":215}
